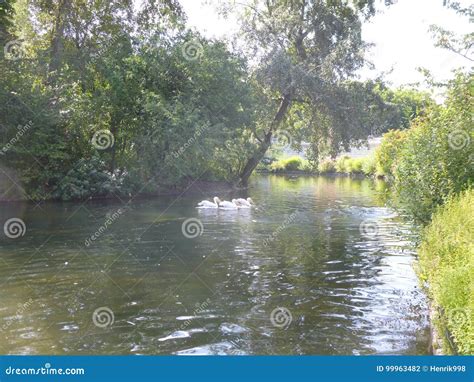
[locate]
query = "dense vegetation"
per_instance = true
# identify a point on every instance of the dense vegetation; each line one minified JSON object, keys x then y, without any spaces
{"x":101,"y":98}
{"x":432,"y":161}
{"x":447,"y":264}
{"x":109,"y":111}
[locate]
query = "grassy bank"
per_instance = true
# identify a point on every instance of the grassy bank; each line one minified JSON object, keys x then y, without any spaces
{"x":446,"y":263}
{"x":349,"y":166}
{"x":290,"y":164}
{"x":344,"y":165}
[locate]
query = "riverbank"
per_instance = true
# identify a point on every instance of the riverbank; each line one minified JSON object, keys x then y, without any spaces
{"x":369,"y":166}
{"x":11,"y":191}
{"x":446,"y":267}
{"x":315,"y":174}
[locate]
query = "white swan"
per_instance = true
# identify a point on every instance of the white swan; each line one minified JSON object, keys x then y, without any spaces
{"x":244,"y":203}
{"x":227,"y":205}
{"x":208,"y":204}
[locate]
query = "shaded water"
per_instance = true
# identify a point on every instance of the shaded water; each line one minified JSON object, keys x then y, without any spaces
{"x":332,"y":288}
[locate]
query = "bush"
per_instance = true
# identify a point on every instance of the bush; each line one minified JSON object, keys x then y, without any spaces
{"x":327,"y":166}
{"x":288,"y":164}
{"x":436,"y":159}
{"x":388,"y":151}
{"x":347,"y":165}
{"x":368,"y":165}
{"x":446,"y":261}
{"x":90,"y":179}
{"x":277,"y":166}
{"x":293,"y":164}
{"x":342,"y":164}
{"x":355,"y":166}
{"x":307,"y":166}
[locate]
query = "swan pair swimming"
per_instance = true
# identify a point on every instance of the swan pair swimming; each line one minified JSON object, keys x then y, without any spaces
{"x":224,"y":204}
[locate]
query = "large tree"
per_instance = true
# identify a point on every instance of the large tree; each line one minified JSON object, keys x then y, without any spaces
{"x":305,"y":53}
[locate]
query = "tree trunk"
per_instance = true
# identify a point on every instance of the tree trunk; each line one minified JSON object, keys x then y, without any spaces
{"x":113,"y":149}
{"x":255,"y":159}
{"x":58,"y":36}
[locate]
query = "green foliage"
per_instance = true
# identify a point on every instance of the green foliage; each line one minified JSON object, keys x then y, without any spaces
{"x":446,"y":261}
{"x":369,"y":165}
{"x":6,"y":15}
{"x":90,"y":178}
{"x":303,"y":75}
{"x":308,"y":167}
{"x":294,"y":163}
{"x":173,"y":117}
{"x":356,"y":166}
{"x":435,"y":160}
{"x":326,"y":166}
{"x":342,"y":164}
{"x":179,"y":106}
{"x":432,"y":160}
{"x":348,"y":165}
{"x":388,"y":151}
{"x":402,"y":106}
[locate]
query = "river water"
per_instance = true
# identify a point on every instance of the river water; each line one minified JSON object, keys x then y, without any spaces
{"x":320,"y":266}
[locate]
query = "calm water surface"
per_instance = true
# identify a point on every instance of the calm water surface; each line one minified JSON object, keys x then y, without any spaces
{"x":339,"y":291}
